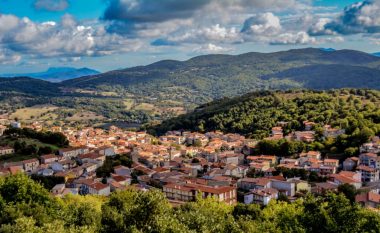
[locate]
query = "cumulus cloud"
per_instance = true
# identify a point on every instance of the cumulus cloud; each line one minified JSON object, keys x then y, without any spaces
{"x":267,"y":28}
{"x":215,"y":33}
{"x":293,"y":38}
{"x":127,"y":16}
{"x":51,"y":5}
{"x":259,"y":24}
{"x":361,"y":17}
{"x":319,"y":28}
{"x":151,"y":10}
{"x":210,"y":48}
{"x":262,"y":27}
{"x":67,"y":38}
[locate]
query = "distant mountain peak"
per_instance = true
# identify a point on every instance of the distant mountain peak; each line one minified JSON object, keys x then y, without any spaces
{"x":328,"y":49}
{"x":58,"y":74}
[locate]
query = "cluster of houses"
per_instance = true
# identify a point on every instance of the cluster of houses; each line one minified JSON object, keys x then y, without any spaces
{"x":307,"y":135}
{"x":187,"y":165}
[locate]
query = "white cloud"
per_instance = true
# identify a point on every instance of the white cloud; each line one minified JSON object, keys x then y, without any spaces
{"x":67,"y":38}
{"x":319,"y":28}
{"x":210,"y":48}
{"x":7,"y":57}
{"x":360,"y":17}
{"x":293,"y":38}
{"x":215,"y":33}
{"x":259,"y":24}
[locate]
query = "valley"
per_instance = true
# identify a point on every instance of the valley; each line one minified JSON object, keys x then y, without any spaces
{"x":169,"y":88}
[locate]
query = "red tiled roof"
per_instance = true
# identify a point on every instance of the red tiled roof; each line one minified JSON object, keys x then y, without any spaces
{"x":98,"y":186}
{"x":30,"y":161}
{"x":49,"y":156}
{"x":366,"y":168}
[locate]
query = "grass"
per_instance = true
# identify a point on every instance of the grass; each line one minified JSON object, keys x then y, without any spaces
{"x":19,"y":157}
{"x":85,"y":115}
{"x":109,"y":93}
{"x":145,"y":107}
{"x":32,"y":113}
{"x":128,"y":103}
{"x":10,"y":142}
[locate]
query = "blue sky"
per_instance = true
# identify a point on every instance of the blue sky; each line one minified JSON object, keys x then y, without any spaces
{"x":113,"y":34}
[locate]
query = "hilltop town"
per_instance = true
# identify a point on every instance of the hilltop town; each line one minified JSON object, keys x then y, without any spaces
{"x":187,"y":164}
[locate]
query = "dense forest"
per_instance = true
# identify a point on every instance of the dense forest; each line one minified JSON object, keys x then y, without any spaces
{"x":204,"y":78}
{"x":25,"y":206}
{"x":355,"y":110}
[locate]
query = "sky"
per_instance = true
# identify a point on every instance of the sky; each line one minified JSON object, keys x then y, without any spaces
{"x":114,"y":34}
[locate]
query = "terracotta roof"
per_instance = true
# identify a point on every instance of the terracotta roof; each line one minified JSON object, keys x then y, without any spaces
{"x":98,"y":186}
{"x":344,"y":179}
{"x":326,"y":185}
{"x":49,"y":156}
{"x":161,"y":169}
{"x":14,"y":170}
{"x":366,"y":168}
{"x":30,"y":161}
{"x":90,"y":156}
{"x":257,"y":181}
{"x":354,"y":158}
{"x":374,"y":197}
{"x":211,"y":189}
{"x":280,"y":178}
{"x":265,"y":191}
{"x":347,"y":173}
{"x":331,"y":161}
{"x":118,"y":178}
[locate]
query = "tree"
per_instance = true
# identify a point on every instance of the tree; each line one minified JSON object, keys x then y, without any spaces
{"x":207,"y":215}
{"x":83,"y":211}
{"x":131,"y":211}
{"x":251,"y":211}
{"x":283,"y":197}
{"x":351,"y":151}
{"x":24,"y":197}
{"x":348,"y":190}
{"x":252,"y":173}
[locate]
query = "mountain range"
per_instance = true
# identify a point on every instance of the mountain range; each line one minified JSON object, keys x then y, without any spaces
{"x":216,"y":76}
{"x":57,"y":74}
{"x":205,"y":78}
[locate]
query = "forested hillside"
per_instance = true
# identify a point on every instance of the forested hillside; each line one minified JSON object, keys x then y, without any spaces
{"x":256,"y":113}
{"x":204,"y":78}
{"x":169,"y":88}
{"x":25,"y":206}
{"x":29,"y":86}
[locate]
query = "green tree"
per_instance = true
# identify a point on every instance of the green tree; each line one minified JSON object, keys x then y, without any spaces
{"x":348,"y":190}
{"x":131,"y":211}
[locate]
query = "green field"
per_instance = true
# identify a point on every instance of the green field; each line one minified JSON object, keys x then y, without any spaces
{"x":145,"y":107}
{"x":128,"y":103}
{"x":32,"y":113}
{"x":84,"y":115}
{"x":19,"y":157}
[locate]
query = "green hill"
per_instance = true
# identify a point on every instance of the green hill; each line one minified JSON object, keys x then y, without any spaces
{"x":256,"y":113}
{"x":209,"y":77}
{"x":168,"y":88}
{"x":28,"y":86}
